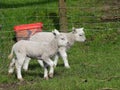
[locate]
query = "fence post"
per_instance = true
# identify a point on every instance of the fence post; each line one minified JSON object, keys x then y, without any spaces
{"x":63,"y":16}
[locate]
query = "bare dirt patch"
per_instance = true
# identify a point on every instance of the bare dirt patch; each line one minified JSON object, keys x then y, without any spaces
{"x":111,"y":11}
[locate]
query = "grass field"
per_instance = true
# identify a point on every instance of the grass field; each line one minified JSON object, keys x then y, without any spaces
{"x":95,"y":64}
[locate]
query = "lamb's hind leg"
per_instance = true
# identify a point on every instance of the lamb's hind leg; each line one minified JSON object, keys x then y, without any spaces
{"x":56,"y":59}
{"x":46,"y":73}
{"x":19,"y":62}
{"x":11,"y":66}
{"x":41,"y":63}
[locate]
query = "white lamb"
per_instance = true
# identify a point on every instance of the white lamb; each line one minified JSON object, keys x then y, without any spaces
{"x":42,"y":51}
{"x":77,"y":34}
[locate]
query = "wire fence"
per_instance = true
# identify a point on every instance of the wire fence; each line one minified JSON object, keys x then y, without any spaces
{"x":92,"y":17}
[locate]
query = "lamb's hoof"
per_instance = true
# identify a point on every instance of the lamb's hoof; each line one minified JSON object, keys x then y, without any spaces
{"x":46,"y":78}
{"x":68,"y":67}
{"x":21,"y":79}
{"x":51,"y":75}
{"x":10,"y":73}
{"x":54,"y":66}
{"x":25,"y":70}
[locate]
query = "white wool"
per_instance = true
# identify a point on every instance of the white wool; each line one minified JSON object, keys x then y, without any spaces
{"x":41,"y":50}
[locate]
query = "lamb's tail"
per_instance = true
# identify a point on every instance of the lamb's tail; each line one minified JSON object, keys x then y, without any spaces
{"x":11,"y":54}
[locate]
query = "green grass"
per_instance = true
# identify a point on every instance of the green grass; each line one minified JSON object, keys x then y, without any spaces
{"x":95,"y":64}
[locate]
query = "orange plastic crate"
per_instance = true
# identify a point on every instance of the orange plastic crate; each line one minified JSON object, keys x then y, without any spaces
{"x":26,"y":30}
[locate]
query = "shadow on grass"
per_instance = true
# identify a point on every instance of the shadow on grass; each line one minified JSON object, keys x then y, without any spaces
{"x":34,"y":66}
{"x":34,"y":74}
{"x":34,"y":70}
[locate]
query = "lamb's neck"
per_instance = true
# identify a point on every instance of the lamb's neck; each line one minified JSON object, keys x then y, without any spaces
{"x":71,"y":38}
{"x":54,"y":46}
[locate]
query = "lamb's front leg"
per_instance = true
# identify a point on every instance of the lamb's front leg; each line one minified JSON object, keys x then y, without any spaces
{"x":51,"y":64}
{"x":63,"y":54}
{"x":45,"y":66}
{"x":46,"y":73}
{"x":56,"y":59}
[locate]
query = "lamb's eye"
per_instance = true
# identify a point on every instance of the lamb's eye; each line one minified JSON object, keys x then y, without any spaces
{"x":62,"y":39}
{"x":80,"y":35}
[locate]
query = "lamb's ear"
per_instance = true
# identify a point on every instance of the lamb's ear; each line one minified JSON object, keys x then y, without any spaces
{"x":73,"y":29}
{"x":56,"y":32}
{"x":82,"y":28}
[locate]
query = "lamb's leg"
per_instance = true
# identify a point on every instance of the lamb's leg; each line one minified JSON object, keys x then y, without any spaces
{"x":26,"y":63}
{"x":45,"y":73}
{"x":44,"y":65}
{"x":11,"y":66}
{"x":63,"y":54}
{"x":19,"y":62}
{"x":56,"y":60}
{"x":51,"y":64}
{"x":41,"y":63}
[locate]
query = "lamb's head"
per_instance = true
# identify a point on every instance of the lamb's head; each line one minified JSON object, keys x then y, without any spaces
{"x":60,"y":38}
{"x":79,"y":34}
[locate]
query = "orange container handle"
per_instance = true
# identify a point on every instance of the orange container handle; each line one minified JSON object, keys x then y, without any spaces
{"x":28,"y":26}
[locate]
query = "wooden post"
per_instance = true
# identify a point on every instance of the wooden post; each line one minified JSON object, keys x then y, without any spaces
{"x":63,"y":16}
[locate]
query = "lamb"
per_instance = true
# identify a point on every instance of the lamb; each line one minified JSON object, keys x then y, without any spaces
{"x":42,"y":51}
{"x":77,"y":34}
